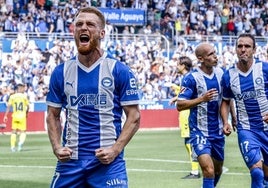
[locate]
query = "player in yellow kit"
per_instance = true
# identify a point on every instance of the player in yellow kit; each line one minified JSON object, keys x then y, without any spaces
{"x":20,"y":105}
{"x":184,"y":65}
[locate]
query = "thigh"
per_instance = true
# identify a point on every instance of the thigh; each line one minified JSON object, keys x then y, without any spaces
{"x":69,"y":174}
{"x":200,"y":145}
{"x":113,"y":175}
{"x":217,"y":149}
{"x":249,"y":146}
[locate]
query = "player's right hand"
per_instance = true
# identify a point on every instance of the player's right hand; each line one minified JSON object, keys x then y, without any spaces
{"x":210,"y":95}
{"x":63,"y":154}
{"x":227,"y":129}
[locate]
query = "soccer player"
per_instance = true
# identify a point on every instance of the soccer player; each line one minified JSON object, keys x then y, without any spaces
{"x":20,"y":105}
{"x":184,"y":65}
{"x":95,"y":89}
{"x":201,"y":93}
{"x":247,"y":83}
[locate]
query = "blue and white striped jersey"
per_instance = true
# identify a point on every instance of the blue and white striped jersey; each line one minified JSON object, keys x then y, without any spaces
{"x":93,"y":98}
{"x":250,"y":91}
{"x":205,"y":117}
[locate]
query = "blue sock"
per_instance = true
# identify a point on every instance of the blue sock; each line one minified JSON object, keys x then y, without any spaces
{"x":208,"y":182}
{"x":257,"y":177}
{"x":265,"y":182}
{"x":216,"y":179}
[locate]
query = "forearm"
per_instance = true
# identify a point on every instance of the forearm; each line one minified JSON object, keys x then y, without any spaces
{"x":54,"y":131}
{"x":224,"y":110}
{"x":7,"y":111}
{"x":187,"y":104}
{"x":232,"y":109}
{"x":130,"y":127}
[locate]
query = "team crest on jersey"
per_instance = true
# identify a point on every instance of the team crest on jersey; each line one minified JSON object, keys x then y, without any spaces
{"x":200,"y":147}
{"x":106,"y":82}
{"x":259,"y":81}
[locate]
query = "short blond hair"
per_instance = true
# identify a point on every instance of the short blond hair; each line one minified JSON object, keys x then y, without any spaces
{"x":93,"y":10}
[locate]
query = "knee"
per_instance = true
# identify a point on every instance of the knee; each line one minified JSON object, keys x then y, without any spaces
{"x":208,"y":172}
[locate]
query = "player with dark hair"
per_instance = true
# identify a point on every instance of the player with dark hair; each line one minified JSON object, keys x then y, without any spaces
{"x":201,"y":93}
{"x":247,"y":83}
{"x":20,"y":106}
{"x":184,"y":65}
{"x":96,"y":90}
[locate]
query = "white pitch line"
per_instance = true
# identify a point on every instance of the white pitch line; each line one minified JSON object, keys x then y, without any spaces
{"x":128,"y":169}
{"x":225,"y":169}
{"x":156,"y":160}
{"x":26,"y":166}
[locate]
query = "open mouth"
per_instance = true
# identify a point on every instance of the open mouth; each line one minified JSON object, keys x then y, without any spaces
{"x":84,"y":38}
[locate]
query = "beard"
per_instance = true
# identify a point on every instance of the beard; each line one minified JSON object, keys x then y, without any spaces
{"x":85,"y":50}
{"x":243,"y":60}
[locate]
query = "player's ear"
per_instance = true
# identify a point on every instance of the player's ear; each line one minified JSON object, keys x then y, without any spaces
{"x":102,"y":34}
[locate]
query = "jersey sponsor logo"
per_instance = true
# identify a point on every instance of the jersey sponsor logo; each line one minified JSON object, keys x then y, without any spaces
{"x":249,"y":95}
{"x":116,"y":181}
{"x":89,"y":99}
{"x":132,"y":92}
{"x":107,"y":82}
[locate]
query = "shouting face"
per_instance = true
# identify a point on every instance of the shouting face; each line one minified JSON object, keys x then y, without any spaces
{"x":88,"y":32}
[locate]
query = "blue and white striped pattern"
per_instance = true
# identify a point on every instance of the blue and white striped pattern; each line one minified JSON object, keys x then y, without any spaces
{"x":205,"y":117}
{"x":93,"y":98}
{"x":250,"y":91}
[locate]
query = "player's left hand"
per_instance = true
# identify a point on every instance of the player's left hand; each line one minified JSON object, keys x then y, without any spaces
{"x":105,"y":155}
{"x":227,"y":130}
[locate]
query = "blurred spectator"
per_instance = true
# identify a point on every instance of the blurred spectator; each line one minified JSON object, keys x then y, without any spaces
{"x":145,"y":55}
{"x":41,"y":27}
{"x":224,"y":19}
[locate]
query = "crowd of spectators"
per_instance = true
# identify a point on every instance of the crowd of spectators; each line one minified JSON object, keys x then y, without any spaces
{"x":157,"y":75}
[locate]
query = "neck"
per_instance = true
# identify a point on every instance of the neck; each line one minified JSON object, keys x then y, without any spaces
{"x":184,"y":72}
{"x":244,"y":66}
{"x":207,"y":70}
{"x":89,"y":59}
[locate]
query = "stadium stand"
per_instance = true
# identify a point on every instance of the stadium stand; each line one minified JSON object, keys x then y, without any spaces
{"x":35,"y":36}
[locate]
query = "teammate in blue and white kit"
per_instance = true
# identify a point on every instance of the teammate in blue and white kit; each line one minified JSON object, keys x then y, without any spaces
{"x":95,"y":90}
{"x":247,"y":83}
{"x":201,"y":93}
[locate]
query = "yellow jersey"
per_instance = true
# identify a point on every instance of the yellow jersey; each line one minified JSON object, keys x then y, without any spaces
{"x":20,"y":104}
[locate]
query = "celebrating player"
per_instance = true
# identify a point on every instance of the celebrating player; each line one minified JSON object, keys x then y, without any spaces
{"x":201,"y":93}
{"x":95,"y":89}
{"x":247,"y":83}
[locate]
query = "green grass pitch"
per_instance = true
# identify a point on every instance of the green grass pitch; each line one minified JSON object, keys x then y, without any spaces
{"x":155,"y":159}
